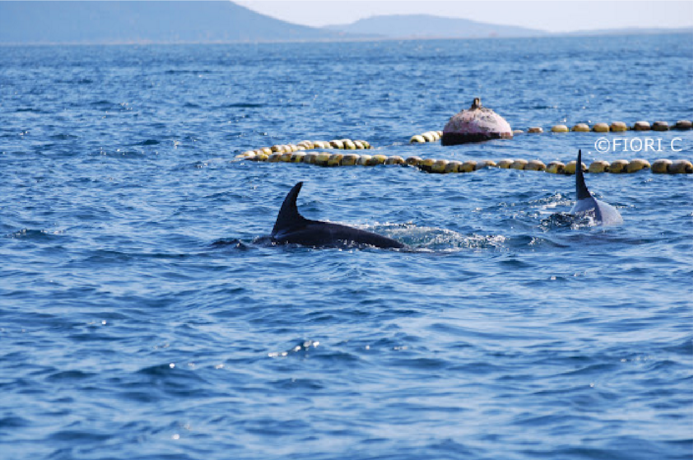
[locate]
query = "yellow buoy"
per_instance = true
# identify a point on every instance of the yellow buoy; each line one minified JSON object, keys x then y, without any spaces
{"x":519,"y":164}
{"x":453,"y":166}
{"x":483,"y":164}
{"x":337,"y":144}
{"x":335,"y":159}
{"x":505,"y":163}
{"x":418,"y":139}
{"x":681,"y":167}
{"x":413,"y":161}
{"x":285,"y":157}
{"x":467,"y":166}
{"x":395,"y":160}
{"x":427,"y":164}
{"x":661,"y":166}
{"x":365,"y":144}
{"x":660,"y":126}
{"x":428,"y":136}
{"x":350,"y":159}
{"x":535,"y":130}
{"x":310,"y":158}
{"x":618,"y":166}
{"x":322,"y":158}
{"x":349,"y":144}
{"x":377,"y":160}
{"x":581,"y":128}
{"x":560,"y":129}
{"x":440,"y":133}
{"x":297,"y":157}
{"x":260,"y":157}
{"x":600,"y":128}
{"x":683,"y":125}
{"x":637,"y":164}
{"x":518,"y":131}
{"x":570,"y":167}
{"x":276,"y":148}
{"x":599,"y":166}
{"x":267,"y":151}
{"x":535,"y":165}
{"x":641,"y":126}
{"x":359,"y":145}
{"x":364,"y":160}
{"x":274,"y":157}
{"x":439,"y":166}
{"x":555,"y":167}
{"x":618,"y":127}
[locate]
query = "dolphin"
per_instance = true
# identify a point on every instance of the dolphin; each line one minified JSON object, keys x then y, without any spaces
{"x":291,"y":227}
{"x":588,"y":206}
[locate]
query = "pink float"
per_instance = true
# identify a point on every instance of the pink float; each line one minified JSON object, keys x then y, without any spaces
{"x":476,"y":124}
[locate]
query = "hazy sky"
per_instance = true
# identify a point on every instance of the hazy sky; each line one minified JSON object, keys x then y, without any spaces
{"x":554,"y":16}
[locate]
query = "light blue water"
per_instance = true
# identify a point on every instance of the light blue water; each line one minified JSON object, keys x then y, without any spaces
{"x":126,"y":332}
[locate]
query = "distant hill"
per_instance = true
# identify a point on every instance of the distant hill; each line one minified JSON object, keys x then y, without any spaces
{"x":427,"y":26}
{"x":221,"y":21}
{"x":98,"y":22}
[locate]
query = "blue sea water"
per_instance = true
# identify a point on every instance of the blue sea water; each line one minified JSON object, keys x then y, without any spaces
{"x":128,"y":330}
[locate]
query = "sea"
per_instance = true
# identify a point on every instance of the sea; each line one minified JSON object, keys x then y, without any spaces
{"x":143,"y":317}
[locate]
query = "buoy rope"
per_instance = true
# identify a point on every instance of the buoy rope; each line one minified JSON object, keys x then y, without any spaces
{"x":615,"y":127}
{"x":432,"y":165}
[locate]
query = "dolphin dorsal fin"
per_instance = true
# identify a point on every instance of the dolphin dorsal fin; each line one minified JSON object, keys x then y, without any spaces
{"x":288,"y":215}
{"x":580,"y":187}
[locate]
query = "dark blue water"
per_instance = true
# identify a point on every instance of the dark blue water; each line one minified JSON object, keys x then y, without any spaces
{"x":127,"y":331}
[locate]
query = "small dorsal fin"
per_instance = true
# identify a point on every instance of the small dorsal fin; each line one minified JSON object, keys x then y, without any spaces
{"x":288,"y":214}
{"x":580,"y":187}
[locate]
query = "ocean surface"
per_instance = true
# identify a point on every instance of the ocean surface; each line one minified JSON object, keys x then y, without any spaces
{"x":141,"y":317}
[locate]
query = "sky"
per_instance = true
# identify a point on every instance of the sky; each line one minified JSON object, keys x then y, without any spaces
{"x":552,"y":16}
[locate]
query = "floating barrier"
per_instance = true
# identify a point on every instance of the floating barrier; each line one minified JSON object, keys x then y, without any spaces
{"x":618,"y":126}
{"x":683,"y":125}
{"x":641,"y":126}
{"x":330,"y":159}
{"x":614,"y":127}
{"x":572,"y":166}
{"x":428,"y":136}
{"x":341,"y":144}
{"x":618,"y":166}
{"x":599,"y":166}
{"x":660,"y":126}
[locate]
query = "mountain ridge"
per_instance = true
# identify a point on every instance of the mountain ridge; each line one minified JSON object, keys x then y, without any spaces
{"x":431,"y":26}
{"x":116,"y":22}
{"x":222,"y":21}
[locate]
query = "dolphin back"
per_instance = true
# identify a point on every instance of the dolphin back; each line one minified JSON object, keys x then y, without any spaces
{"x":587,"y":205}
{"x":288,"y":216}
{"x":292,"y":227}
{"x":580,"y":186}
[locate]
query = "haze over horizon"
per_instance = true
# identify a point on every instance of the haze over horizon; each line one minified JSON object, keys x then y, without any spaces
{"x":559,"y":16}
